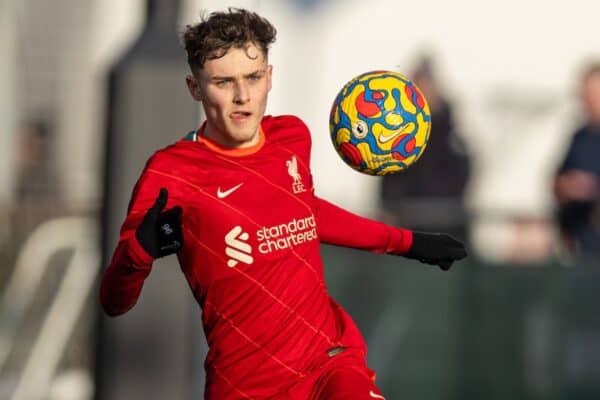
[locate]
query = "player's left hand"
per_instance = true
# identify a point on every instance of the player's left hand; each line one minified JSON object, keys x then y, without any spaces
{"x":160,"y":232}
{"x":436,"y":249}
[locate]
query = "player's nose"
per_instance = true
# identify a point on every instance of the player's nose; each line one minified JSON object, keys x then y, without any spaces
{"x":241,"y":93}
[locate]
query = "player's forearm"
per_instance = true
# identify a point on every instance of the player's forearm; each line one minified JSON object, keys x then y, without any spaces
{"x":343,"y":228}
{"x":123,"y":280}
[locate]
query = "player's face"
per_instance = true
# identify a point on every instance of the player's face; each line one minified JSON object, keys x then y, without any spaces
{"x":233,"y":90}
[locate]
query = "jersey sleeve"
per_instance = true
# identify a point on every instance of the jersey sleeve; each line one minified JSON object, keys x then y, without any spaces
{"x":130,"y":265}
{"x":339,"y":227}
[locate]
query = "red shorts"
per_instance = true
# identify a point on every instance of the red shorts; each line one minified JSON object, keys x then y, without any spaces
{"x":345,"y":376}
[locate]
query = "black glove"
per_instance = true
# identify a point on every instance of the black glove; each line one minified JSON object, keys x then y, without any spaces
{"x":160,"y":232}
{"x":436,"y":249}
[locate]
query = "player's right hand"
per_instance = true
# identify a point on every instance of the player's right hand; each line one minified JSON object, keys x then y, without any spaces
{"x":160,"y":232}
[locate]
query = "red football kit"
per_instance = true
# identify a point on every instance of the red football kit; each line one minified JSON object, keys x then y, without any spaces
{"x":252,"y":227}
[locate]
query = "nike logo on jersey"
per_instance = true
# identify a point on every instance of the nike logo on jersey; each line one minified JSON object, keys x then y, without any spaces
{"x":375,"y":395}
{"x":223,"y":194}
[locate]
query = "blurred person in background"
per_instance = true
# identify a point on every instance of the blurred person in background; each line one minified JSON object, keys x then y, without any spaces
{"x":577,"y":183}
{"x":235,"y":200}
{"x":429,"y":194}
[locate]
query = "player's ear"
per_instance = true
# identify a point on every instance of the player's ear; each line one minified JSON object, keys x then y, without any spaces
{"x":193,"y":87}
{"x":269,"y":76}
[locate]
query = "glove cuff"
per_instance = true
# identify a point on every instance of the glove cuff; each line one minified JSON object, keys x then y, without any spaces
{"x":139,"y":256}
{"x":399,"y":241}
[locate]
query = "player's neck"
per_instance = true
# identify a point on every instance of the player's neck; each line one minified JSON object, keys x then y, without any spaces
{"x":226,"y":141}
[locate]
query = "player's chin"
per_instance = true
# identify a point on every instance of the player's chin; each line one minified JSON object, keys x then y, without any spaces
{"x":243,"y":128}
{"x":246,"y":128}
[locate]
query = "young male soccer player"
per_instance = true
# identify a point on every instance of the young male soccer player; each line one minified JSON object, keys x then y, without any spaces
{"x":239,"y":190}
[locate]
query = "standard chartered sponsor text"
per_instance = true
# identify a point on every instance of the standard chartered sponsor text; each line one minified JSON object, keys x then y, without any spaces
{"x":284,"y":236}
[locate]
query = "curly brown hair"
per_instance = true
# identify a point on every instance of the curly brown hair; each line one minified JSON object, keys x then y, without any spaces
{"x":214,"y":35}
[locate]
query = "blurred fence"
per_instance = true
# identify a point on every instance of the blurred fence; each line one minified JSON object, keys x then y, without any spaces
{"x":477,"y":332}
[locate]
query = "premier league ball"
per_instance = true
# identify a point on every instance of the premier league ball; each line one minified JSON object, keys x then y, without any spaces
{"x":380,"y":123}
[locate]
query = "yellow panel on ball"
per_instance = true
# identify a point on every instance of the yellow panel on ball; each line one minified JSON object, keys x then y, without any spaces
{"x":380,"y":123}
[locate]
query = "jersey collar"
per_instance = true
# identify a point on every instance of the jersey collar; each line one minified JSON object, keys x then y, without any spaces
{"x":228,"y":151}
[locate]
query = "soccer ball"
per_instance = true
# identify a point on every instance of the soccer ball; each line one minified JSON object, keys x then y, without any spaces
{"x":380,"y":123}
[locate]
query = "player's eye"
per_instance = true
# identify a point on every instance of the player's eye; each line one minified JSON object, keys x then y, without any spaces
{"x":254,"y":78}
{"x":360,"y":129}
{"x":222,"y":83}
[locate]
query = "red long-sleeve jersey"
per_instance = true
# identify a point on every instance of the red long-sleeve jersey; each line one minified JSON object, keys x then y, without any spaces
{"x":252,"y":227}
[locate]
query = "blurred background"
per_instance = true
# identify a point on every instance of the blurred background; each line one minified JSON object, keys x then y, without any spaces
{"x":89,"y":89}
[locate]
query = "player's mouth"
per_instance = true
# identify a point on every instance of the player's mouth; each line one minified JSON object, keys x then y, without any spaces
{"x":240,"y":116}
